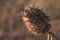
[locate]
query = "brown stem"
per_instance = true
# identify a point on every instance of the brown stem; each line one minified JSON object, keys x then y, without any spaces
{"x":53,"y":35}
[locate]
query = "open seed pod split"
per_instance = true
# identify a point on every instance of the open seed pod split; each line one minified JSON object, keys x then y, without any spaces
{"x":35,"y":20}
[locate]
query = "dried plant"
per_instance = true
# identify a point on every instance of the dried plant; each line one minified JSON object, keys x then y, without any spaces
{"x":35,"y":20}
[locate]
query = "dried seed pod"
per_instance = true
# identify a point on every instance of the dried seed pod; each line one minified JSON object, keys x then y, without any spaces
{"x":35,"y":20}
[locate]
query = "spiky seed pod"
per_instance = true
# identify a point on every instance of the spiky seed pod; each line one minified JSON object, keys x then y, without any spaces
{"x":35,"y":20}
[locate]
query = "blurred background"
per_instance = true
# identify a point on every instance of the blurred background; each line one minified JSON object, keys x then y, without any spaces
{"x":11,"y":27}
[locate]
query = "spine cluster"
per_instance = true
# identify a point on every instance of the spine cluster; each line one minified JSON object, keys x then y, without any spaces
{"x":35,"y":20}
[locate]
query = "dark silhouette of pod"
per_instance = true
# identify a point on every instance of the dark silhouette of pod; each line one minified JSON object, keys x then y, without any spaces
{"x":35,"y":20}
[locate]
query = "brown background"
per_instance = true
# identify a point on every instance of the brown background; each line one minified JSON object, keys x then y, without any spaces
{"x":11,"y":27}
